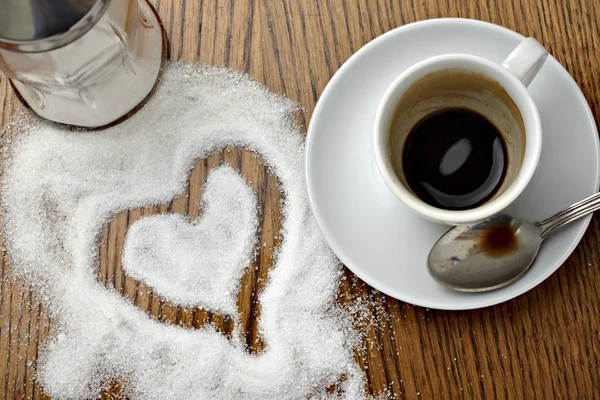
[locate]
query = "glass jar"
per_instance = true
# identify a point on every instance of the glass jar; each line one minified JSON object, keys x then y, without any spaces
{"x":88,"y":69}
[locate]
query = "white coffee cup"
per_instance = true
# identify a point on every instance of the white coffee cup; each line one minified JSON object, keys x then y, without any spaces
{"x":498,"y":92}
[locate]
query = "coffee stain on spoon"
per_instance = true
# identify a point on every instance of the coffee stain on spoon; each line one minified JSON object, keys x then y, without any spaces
{"x":499,"y":239}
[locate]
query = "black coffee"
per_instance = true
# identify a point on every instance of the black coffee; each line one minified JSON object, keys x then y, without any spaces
{"x":454,"y":159}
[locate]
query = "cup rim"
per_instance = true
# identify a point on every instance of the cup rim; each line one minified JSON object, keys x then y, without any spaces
{"x":457,"y":217}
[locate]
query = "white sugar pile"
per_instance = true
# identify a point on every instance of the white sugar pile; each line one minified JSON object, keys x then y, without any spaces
{"x":199,"y":264}
{"x":60,"y":188}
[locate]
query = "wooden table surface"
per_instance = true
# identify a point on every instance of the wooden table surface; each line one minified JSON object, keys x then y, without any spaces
{"x":544,"y":344}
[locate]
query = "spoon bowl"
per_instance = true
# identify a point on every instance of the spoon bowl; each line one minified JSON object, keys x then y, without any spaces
{"x":468,"y":259}
{"x":498,"y":251}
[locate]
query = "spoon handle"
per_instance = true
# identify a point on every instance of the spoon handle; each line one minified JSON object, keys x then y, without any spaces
{"x":576,"y":211}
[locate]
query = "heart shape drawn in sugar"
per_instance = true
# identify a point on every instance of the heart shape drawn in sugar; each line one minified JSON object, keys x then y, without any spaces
{"x":198,"y":263}
{"x":60,"y":189}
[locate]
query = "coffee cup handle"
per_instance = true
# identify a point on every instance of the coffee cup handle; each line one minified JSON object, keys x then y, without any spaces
{"x":526,"y":60}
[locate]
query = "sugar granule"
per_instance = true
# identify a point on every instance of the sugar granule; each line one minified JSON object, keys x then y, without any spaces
{"x":60,"y":188}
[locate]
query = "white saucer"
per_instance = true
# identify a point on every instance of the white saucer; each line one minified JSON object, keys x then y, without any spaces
{"x":370,"y":230}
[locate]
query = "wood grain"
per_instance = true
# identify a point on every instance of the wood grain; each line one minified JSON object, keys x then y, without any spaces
{"x":542,"y":345}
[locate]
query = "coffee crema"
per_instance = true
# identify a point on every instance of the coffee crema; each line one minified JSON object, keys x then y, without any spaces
{"x":454,"y":159}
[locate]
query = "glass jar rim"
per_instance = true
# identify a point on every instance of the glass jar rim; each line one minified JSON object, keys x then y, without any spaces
{"x":54,"y":41}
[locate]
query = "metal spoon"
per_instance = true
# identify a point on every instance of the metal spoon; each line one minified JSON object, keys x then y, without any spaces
{"x":496,"y":252}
